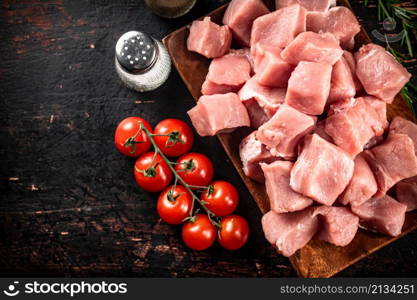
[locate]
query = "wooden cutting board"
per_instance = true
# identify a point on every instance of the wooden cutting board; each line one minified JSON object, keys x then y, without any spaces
{"x":317,"y":258}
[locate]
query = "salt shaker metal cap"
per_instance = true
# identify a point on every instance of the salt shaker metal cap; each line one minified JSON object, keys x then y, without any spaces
{"x":142,"y":62}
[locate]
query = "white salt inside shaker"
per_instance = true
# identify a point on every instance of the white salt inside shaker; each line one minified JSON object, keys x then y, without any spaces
{"x":142,"y":62}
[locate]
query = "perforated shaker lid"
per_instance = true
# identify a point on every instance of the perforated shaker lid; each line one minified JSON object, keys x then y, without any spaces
{"x":136,"y":51}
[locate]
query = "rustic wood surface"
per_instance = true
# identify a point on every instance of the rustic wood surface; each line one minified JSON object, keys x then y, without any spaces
{"x":317,"y":258}
{"x":69,"y":205}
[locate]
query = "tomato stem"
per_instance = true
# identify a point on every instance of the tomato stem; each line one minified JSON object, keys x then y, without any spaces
{"x":188,"y":187}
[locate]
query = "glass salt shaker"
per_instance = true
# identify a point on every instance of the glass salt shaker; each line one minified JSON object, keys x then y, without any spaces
{"x":170,"y":8}
{"x":142,"y":62}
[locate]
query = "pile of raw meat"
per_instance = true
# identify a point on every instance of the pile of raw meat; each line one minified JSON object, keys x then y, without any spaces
{"x":321,"y":141}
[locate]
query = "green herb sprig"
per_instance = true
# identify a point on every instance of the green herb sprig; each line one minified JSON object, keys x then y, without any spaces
{"x":406,"y":17}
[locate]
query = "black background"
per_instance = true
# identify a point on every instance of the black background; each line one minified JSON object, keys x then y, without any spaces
{"x":69,"y":204}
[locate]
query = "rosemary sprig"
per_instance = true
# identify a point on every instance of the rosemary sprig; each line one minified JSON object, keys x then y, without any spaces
{"x":404,"y":16}
{"x":407,"y":18}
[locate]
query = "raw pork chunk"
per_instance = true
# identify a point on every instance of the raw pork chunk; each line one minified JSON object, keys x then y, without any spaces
{"x":403,"y":126}
{"x":355,"y":122}
{"x":384,"y":215}
{"x":362,"y":186}
{"x":252,"y":153}
{"x":278,"y":29}
{"x":315,"y":47}
{"x":233,"y":70}
{"x":309,"y":87}
{"x":257,"y":115}
{"x":271,"y":70}
{"x":310,"y":5}
{"x":339,"y":21}
{"x":338,"y":225}
{"x":211,"y":88}
{"x":243,"y":52}
{"x":379,"y":72}
{"x":269,"y":99}
{"x":209,"y":39}
{"x":240,"y":15}
{"x":392,"y":161}
{"x":284,"y":130}
{"x":350,"y":59}
{"x":342,"y":84}
{"x":218,"y":113}
{"x":289,"y":231}
{"x":321,"y":132}
{"x":281,"y":197}
{"x":407,"y":193}
{"x":322,"y":171}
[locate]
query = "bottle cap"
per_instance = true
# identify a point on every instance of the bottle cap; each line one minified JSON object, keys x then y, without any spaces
{"x":136,"y":51}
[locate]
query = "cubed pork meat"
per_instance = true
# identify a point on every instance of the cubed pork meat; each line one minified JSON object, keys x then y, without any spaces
{"x":257,"y":115}
{"x":384,"y":215}
{"x":232,"y":70}
{"x":269,"y":99}
{"x":403,"y":126}
{"x":252,"y":152}
{"x":244,"y":52}
{"x":209,"y":39}
{"x":278,"y":29}
{"x":310,"y":5}
{"x":379,"y":72}
{"x":342,"y":84}
{"x":406,"y":191}
{"x":315,"y":47}
{"x":289,"y":232}
{"x":271,"y":70}
{"x":320,"y":126}
{"x":338,"y":225}
{"x":309,"y":87}
{"x":211,"y":88}
{"x":350,"y":59}
{"x":376,"y":140}
{"x":362,"y":186}
{"x":339,"y":21}
{"x":392,"y":161}
{"x":282,"y":133}
{"x":282,"y":198}
{"x":240,"y":15}
{"x":322,"y":171}
{"x":354,"y":122}
{"x":218,"y":113}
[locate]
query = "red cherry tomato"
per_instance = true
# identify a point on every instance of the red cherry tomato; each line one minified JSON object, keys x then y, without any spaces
{"x":127,"y":138}
{"x":234,"y":232}
{"x":195,"y":169}
{"x":180,"y":139}
{"x":221,"y":198}
{"x":152,"y":175}
{"x":174,"y":204}
{"x":200,"y":234}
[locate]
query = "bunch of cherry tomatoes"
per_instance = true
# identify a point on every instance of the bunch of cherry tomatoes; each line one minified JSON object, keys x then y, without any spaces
{"x":192,"y":174}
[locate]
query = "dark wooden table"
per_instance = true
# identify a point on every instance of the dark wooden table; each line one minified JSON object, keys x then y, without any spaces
{"x":69,"y":204}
